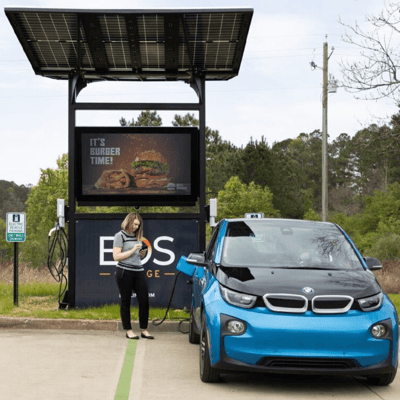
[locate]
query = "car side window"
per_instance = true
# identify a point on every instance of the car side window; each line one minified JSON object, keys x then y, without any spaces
{"x":212,"y":246}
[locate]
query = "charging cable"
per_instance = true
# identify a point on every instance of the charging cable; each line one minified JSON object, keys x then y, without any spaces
{"x":58,"y":258}
{"x":157,"y":322}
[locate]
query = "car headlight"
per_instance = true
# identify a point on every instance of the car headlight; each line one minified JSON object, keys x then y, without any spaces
{"x":238,"y":299}
{"x":371,"y":303}
{"x":236,"y":327}
{"x":378,"y":331}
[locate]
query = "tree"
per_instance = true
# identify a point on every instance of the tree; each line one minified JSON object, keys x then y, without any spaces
{"x":393,"y":141}
{"x":145,"y":118}
{"x":342,"y":165}
{"x":341,"y":160}
{"x":377,"y":159}
{"x":5,"y":247}
{"x":289,"y":197}
{"x":256,"y":160}
{"x":273,"y":168}
{"x":186,"y":120}
{"x":41,"y":213}
{"x":378,"y":72}
{"x":237,"y":198}
{"x":12,"y":197}
{"x":306,"y":151}
{"x":311,"y":215}
{"x":221,"y":156}
{"x":286,"y":185}
{"x":376,"y":230}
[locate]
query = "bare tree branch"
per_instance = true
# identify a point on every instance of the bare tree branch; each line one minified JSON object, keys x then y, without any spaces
{"x":378,"y":70}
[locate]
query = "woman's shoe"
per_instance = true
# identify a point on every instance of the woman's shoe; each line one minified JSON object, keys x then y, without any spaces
{"x":146,"y":336}
{"x":131,"y":337}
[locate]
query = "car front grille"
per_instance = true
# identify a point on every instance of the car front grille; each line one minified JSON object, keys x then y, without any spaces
{"x":331,"y":304}
{"x":286,"y":302}
{"x":290,"y":303}
{"x":307,"y":363}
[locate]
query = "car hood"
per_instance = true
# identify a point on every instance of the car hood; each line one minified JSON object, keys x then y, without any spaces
{"x":260,"y":281}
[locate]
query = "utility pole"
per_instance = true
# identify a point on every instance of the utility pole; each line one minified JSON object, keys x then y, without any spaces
{"x":325,"y":136}
{"x":328,"y":86}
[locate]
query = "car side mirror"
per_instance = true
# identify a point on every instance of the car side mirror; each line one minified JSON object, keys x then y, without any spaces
{"x":373,"y":263}
{"x":198,"y":259}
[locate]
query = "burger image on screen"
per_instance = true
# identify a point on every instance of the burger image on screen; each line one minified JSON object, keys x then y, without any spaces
{"x":150,"y":170}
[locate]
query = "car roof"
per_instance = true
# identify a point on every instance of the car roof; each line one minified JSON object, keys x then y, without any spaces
{"x":278,"y":219}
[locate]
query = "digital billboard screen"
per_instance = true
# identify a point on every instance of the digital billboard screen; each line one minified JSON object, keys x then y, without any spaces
{"x":137,"y":165}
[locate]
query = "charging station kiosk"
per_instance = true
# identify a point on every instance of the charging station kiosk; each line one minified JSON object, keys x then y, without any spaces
{"x":86,"y":46}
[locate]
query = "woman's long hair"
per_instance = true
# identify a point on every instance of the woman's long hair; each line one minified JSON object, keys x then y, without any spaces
{"x":127,"y":225}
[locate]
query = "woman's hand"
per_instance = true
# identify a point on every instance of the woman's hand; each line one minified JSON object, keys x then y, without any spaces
{"x":137,"y":247}
{"x":143,"y":253}
{"x":118,"y":255}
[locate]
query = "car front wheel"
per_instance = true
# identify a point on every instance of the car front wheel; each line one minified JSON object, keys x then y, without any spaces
{"x":194,"y":337}
{"x":207,"y":372}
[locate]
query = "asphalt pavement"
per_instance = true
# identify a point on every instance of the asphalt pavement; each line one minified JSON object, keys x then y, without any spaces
{"x":81,"y":363}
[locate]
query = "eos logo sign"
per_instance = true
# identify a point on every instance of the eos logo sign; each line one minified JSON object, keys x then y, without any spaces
{"x":158,"y":246}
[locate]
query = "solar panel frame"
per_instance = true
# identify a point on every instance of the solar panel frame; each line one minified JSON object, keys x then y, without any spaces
{"x":169,"y":44}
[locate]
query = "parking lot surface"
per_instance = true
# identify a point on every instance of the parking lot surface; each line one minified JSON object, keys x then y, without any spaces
{"x":57,"y":364}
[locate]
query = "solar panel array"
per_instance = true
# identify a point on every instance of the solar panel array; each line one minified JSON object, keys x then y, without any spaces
{"x":133,"y":45}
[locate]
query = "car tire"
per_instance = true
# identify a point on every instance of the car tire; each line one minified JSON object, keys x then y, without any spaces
{"x":207,"y":372}
{"x":381,"y":380}
{"x":194,"y":337}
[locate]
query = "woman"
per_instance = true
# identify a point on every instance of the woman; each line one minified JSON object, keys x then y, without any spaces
{"x":130,"y":274}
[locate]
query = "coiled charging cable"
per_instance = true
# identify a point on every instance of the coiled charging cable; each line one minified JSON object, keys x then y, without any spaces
{"x":57,"y":258}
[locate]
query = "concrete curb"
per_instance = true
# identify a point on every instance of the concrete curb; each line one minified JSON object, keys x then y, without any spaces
{"x":84,"y":324}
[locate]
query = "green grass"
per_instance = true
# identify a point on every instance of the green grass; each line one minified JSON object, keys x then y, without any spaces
{"x":396,"y":301}
{"x":40,"y":300}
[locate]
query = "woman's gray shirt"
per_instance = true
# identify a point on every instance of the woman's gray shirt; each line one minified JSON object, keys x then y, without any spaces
{"x":128,"y":242}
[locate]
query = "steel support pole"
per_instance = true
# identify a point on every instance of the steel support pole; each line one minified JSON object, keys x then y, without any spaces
{"x":72,"y":93}
{"x":325,"y":136}
{"x":202,"y":197}
{"x":16,"y":274}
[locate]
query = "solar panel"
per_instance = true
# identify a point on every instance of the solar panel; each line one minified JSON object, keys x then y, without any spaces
{"x":133,"y":44}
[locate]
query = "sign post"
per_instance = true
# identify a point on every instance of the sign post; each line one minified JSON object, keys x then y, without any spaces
{"x":16,"y":232}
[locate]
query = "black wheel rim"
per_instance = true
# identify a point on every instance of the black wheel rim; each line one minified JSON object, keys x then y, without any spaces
{"x":202,"y":350}
{"x":190,"y":323}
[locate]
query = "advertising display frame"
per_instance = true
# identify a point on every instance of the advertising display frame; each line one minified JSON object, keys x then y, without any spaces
{"x":142,"y":197}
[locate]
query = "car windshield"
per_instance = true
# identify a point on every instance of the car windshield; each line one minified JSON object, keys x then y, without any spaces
{"x":287,"y":244}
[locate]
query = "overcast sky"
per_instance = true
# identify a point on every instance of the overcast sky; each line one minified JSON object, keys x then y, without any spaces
{"x":276,"y":95}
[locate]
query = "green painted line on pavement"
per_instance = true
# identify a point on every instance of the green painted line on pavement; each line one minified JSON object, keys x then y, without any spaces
{"x":126,"y":372}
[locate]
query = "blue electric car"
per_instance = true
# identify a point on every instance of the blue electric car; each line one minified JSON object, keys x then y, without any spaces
{"x":289,"y":296}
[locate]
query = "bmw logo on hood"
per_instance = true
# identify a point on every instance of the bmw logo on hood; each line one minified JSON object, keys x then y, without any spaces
{"x":307,"y":290}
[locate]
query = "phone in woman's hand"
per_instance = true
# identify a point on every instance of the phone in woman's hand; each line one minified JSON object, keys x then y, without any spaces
{"x":144,"y":246}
